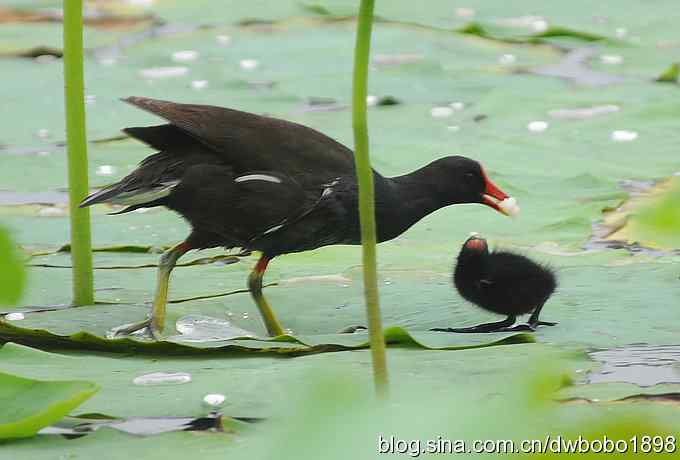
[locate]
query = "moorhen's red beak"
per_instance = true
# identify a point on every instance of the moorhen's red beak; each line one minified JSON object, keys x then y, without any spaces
{"x":495,"y":197}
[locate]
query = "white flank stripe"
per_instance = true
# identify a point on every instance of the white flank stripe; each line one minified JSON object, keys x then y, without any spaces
{"x":273,"y":229}
{"x":263,"y":177}
{"x":144,"y":196}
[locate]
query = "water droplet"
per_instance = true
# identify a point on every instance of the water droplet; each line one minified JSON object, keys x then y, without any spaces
{"x":595,"y":400}
{"x":141,"y":3}
{"x":623,"y":136}
{"x":200,"y":328}
{"x":388,"y":282}
{"x":164,"y":72}
{"x":105,"y":170}
{"x":214,"y":400}
{"x":396,"y":59}
{"x":51,"y":211}
{"x":43,"y":133}
{"x":288,"y":331}
{"x":539,"y":25}
{"x":90,"y":98}
{"x":453,"y":128}
{"x":245,"y":316}
{"x":16,"y":316}
{"x":464,"y":12}
{"x":457,"y":106}
{"x":441,"y":112}
{"x":507,"y":59}
{"x":371,"y":100}
{"x":249,"y":64}
{"x":621,"y":32}
{"x":185,"y":56}
{"x":162,"y":378}
{"x":107,"y":61}
{"x":45,"y":59}
{"x":537,"y":126}
{"x":584,"y":112}
{"x":611,"y":59}
{"x":199,"y":84}
{"x":224,"y":40}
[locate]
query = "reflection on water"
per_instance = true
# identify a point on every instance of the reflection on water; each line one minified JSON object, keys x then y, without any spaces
{"x":641,"y":365}
{"x":200,"y":328}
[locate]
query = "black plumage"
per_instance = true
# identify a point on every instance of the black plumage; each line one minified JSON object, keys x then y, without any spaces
{"x":269,"y":185}
{"x":502,"y":282}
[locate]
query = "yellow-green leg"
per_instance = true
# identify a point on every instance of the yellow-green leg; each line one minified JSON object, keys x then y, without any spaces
{"x":156,"y":322}
{"x":255,"y":285}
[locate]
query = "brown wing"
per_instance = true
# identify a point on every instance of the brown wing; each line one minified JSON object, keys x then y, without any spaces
{"x":252,"y":142}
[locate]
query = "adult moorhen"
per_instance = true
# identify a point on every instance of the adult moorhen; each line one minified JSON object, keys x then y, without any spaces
{"x":502,"y":282}
{"x":269,"y":185}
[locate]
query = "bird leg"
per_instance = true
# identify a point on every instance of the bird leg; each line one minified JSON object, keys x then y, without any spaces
{"x":500,"y":326}
{"x":156,"y":322}
{"x":255,"y":285}
{"x":534,"y":321}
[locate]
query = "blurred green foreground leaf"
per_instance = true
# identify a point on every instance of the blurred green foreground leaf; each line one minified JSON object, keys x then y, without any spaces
{"x":27,"y":405}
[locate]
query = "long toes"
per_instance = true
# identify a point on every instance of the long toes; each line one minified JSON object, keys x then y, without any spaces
{"x":128,"y":329}
{"x":544,"y":323}
{"x":462,"y":330}
{"x":520,"y":328}
{"x":352,"y":329}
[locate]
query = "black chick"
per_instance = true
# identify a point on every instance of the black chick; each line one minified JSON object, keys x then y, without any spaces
{"x":502,"y":282}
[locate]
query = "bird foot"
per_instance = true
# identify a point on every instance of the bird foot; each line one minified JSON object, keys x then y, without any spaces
{"x":352,"y":329}
{"x":531,"y":326}
{"x":544,"y":323}
{"x":523,"y":327}
{"x":140,"y":328}
{"x":483,"y":330}
{"x":468,"y":330}
{"x":500,"y":326}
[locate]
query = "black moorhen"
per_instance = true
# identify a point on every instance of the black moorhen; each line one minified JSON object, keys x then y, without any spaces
{"x":269,"y":185}
{"x":502,"y":282}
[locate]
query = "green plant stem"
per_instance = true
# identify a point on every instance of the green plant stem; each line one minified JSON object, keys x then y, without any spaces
{"x":366,"y":195}
{"x":83,"y":291}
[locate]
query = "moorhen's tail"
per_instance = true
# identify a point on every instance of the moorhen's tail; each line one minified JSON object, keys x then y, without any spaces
{"x":156,"y":175}
{"x":153,"y":180}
